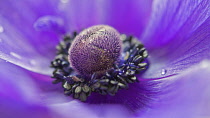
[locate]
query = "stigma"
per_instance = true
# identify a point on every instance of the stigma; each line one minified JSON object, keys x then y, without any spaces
{"x":99,"y":59}
{"x":95,"y":50}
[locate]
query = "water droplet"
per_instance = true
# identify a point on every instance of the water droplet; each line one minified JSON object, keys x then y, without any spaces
{"x":1,"y":29}
{"x":163,"y":71}
{"x":15,"y":55}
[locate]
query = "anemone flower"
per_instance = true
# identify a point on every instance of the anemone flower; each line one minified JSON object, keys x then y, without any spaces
{"x":175,"y":32}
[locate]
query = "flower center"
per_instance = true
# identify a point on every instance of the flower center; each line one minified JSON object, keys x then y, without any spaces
{"x":95,"y":50}
{"x":98,"y":60}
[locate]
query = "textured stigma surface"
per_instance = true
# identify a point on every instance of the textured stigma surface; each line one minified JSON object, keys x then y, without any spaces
{"x":95,"y":50}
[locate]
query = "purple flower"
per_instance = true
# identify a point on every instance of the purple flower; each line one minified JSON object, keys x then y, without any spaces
{"x":175,"y":32}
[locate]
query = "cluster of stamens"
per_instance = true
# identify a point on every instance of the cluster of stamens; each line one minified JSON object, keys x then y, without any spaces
{"x":132,"y":62}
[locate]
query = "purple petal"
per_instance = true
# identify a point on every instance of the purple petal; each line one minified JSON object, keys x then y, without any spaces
{"x":53,"y":96}
{"x":184,"y":96}
{"x":77,"y":109}
{"x":138,"y":96}
{"x":16,"y":84}
{"x":177,"y":36}
{"x":18,"y":94}
{"x":49,"y":93}
{"x":126,"y":16}
{"x":18,"y":109}
{"x":19,"y":42}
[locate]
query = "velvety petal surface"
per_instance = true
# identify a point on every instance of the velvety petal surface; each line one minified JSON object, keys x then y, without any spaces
{"x":18,"y":94}
{"x":126,"y":16}
{"x":59,"y":105}
{"x":183,"y":95}
{"x":130,"y":17}
{"x":186,"y":95}
{"x":177,"y":36}
{"x":20,"y":43}
{"x":65,"y":106}
{"x":138,"y":96}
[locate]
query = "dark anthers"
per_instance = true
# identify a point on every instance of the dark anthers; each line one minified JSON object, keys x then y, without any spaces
{"x":133,"y":61}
